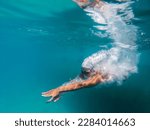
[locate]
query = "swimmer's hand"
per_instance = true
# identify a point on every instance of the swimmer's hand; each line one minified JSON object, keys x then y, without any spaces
{"x":54,"y":94}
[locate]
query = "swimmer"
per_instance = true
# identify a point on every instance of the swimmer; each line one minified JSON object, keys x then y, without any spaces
{"x":89,"y":78}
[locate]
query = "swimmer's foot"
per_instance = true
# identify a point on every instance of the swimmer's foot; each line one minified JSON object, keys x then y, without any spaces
{"x":54,"y":94}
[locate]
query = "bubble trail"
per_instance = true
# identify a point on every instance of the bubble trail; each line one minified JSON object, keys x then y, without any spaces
{"x":119,"y":61}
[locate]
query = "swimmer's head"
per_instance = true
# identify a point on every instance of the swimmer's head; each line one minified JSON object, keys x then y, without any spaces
{"x":86,"y":72}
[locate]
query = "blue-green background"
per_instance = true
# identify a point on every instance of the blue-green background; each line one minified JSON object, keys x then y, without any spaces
{"x":42,"y":45}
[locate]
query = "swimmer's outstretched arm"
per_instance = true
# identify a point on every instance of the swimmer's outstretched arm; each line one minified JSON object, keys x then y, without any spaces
{"x":55,"y":93}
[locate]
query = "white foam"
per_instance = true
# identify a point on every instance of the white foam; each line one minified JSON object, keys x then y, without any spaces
{"x":121,"y":60}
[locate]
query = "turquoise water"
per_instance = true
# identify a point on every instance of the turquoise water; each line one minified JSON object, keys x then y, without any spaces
{"x":43,"y":44}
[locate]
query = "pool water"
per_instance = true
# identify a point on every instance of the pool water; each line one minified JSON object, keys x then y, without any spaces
{"x":43,"y":44}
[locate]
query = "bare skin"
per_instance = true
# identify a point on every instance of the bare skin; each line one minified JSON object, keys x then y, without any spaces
{"x":91,"y":81}
{"x":84,"y":3}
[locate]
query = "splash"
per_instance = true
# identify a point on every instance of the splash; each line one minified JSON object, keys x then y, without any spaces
{"x":121,"y":59}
